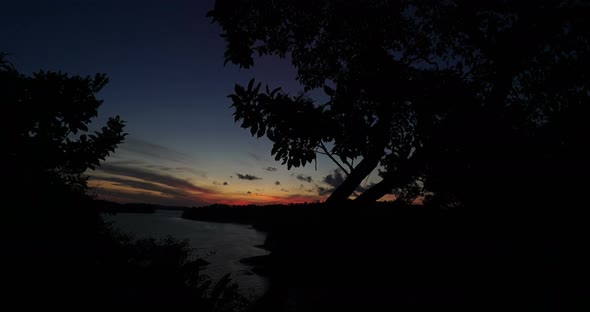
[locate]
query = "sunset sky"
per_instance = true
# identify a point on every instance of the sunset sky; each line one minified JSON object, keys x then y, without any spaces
{"x":164,"y":60}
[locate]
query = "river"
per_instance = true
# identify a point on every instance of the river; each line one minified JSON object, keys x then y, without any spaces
{"x":221,"y":244}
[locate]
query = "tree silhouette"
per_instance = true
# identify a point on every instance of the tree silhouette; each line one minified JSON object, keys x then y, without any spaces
{"x":457,"y":100}
{"x":57,"y":244}
{"x":49,"y":147}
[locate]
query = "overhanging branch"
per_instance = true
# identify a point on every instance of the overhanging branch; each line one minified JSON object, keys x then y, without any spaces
{"x":327,"y":153}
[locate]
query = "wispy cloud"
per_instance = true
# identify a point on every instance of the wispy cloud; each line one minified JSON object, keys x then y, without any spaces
{"x":335,"y":178}
{"x":332,"y":180}
{"x":255,"y":156}
{"x":159,"y":167}
{"x":304,"y":178}
{"x":146,"y":186}
{"x":148,"y":175}
{"x":324,"y":190}
{"x":271,"y":169}
{"x":247,"y":177}
{"x":277,"y":182}
{"x":151,"y":150}
{"x":140,"y":196}
{"x":125,"y":162}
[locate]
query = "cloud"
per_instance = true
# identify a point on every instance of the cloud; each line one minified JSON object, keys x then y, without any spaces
{"x":225,"y":183}
{"x":151,"y":150}
{"x":125,"y":162}
{"x":247,"y":177}
{"x":145,"y":186}
{"x":256,"y":156}
{"x":277,"y":182}
{"x":304,"y":178}
{"x":159,"y":167}
{"x":362,"y":188}
{"x":271,"y":169}
{"x":335,"y":178}
{"x":200,"y":173}
{"x":324,"y":191}
{"x":147,"y":175}
{"x":123,"y":196}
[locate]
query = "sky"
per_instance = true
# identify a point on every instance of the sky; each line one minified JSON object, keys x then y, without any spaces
{"x":164,"y":60}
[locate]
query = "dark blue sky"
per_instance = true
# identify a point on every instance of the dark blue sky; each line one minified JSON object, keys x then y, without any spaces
{"x":164,"y":60}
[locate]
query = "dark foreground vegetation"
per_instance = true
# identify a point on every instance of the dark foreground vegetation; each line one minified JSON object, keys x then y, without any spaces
{"x":392,"y":255}
{"x":480,"y":107}
{"x":56,"y":250}
{"x":70,"y":258}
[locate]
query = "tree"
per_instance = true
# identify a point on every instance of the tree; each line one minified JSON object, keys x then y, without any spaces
{"x":457,"y":98}
{"x":48,"y":144}
{"x":57,"y":243}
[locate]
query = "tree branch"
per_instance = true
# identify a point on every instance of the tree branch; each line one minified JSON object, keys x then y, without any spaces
{"x":323,"y":147}
{"x":65,"y":136}
{"x":347,"y":163}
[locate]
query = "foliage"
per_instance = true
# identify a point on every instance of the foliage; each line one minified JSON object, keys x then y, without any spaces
{"x":460,"y":95}
{"x":64,"y":254}
{"x":166,"y":272}
{"x":48,"y":134}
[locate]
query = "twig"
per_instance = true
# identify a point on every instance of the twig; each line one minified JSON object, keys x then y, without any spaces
{"x":323,"y":147}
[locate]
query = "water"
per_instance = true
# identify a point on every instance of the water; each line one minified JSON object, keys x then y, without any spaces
{"x":221,"y":244}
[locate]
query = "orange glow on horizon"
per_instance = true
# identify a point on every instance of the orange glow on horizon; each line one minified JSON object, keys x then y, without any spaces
{"x":126,"y":194}
{"x":181,"y":197}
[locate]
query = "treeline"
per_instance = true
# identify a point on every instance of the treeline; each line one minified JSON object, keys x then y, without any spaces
{"x":113,"y":207}
{"x":266,"y":217}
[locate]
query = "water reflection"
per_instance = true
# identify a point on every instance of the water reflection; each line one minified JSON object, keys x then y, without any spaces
{"x":221,"y":244}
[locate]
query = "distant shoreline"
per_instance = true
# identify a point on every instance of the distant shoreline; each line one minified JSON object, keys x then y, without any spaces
{"x":113,"y":207}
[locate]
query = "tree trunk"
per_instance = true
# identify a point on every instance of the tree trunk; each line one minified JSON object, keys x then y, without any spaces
{"x":397,"y":179}
{"x":354,"y":179}
{"x":377,"y":191}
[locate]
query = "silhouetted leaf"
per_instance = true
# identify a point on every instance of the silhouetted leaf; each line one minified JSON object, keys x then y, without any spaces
{"x":329,"y":91}
{"x":250,"y":84}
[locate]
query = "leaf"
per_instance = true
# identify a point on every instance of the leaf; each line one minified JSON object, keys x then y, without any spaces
{"x":275,"y":91}
{"x":250,"y":84}
{"x":257,"y":89}
{"x":239,"y":90}
{"x":329,"y":91}
{"x":234,"y":98}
